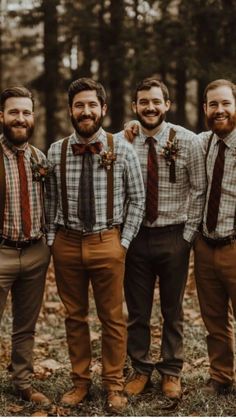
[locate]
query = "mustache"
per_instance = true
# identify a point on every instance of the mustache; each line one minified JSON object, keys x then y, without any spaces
{"x":151,"y":113}
{"x":19,"y":124}
{"x":85,"y":118}
{"x":225,"y":114}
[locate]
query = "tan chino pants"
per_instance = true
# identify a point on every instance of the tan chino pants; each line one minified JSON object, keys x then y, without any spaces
{"x":98,"y":258}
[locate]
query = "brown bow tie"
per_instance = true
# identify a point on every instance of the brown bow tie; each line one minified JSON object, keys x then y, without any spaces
{"x":93,"y":148}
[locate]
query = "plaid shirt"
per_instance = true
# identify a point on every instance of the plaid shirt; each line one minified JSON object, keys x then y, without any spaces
{"x":12,"y":227}
{"x":180,"y":202}
{"x":227,"y":209}
{"x":128,"y":189}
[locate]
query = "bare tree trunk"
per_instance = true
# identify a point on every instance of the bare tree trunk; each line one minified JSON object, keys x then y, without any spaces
{"x":51,"y":59}
{"x":181,"y":95}
{"x":116,"y":64}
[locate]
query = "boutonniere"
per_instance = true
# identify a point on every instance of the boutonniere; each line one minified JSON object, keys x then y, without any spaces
{"x":107,"y":159}
{"x":234,"y":152}
{"x":170,"y":153}
{"x":40,"y":171}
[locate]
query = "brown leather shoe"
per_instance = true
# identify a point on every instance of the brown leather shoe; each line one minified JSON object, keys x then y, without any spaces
{"x":116,"y":401}
{"x":75,"y":396}
{"x":30,"y":394}
{"x":214,"y":387}
{"x":171,"y":386}
{"x":136,"y":384}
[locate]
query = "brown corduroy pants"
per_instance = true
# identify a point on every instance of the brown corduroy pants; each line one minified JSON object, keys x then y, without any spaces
{"x":98,"y":258}
{"x":215,"y":270}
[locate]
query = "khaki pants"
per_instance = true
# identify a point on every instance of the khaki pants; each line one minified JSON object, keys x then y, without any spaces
{"x":23,"y":272}
{"x":215,"y":270}
{"x":98,"y":258}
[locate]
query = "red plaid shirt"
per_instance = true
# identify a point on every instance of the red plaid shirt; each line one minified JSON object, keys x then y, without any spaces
{"x":12,"y":227}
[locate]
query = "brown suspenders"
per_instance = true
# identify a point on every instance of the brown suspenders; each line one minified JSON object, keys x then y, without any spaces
{"x":110,"y":179}
{"x":2,"y":189}
{"x":64,"y":201}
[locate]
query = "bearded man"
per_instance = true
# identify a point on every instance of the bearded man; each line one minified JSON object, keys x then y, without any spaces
{"x":24,"y":254}
{"x":97,"y":187}
{"x":173,"y":170}
{"x":215,"y":248}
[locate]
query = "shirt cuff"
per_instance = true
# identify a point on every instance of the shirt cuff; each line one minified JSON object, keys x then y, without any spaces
{"x":50,"y":238}
{"x":125,"y":243}
{"x":189,"y":235}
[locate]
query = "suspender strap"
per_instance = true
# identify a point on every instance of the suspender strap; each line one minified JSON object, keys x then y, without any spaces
{"x":110,"y":179}
{"x":33,"y":152}
{"x":64,"y":200}
{"x":172,"y":171}
{"x":2,"y":188}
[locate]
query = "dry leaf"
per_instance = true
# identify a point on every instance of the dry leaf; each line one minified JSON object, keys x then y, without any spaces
{"x":50,"y":364}
{"x":14,"y":408}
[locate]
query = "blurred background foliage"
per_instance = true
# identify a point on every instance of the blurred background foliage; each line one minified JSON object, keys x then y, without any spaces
{"x":45,"y":44}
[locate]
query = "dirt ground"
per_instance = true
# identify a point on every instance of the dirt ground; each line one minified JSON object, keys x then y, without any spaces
{"x":52,"y":366}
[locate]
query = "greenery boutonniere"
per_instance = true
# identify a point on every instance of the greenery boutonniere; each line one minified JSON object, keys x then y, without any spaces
{"x":107,"y":159}
{"x":170,"y":154}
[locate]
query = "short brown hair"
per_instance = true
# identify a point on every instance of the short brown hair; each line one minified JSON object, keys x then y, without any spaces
{"x":148,"y":83}
{"x":16,"y":91}
{"x":83,"y":84}
{"x":219,"y":83}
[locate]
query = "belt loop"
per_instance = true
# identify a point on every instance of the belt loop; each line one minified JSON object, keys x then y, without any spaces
{"x":101,"y":235}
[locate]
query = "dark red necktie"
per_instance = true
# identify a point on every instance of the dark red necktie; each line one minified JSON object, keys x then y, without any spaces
{"x":24,"y":195}
{"x":86,"y":199}
{"x":93,"y":148}
{"x":152,"y":182}
{"x":215,"y":192}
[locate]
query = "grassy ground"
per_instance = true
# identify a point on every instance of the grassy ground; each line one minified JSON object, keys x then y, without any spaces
{"x":52,"y":367}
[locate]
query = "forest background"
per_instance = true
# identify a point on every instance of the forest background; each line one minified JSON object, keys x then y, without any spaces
{"x":45,"y":44}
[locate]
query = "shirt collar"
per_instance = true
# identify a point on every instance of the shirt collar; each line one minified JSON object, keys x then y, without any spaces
{"x":157,"y":136}
{"x":98,"y":136}
{"x":10,"y":150}
{"x":230,"y":140}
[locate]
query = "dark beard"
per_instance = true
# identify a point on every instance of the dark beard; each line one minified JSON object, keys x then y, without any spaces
{"x":148,"y":126}
{"x":89,"y":131}
{"x":16,"y":139}
{"x":224,"y":131}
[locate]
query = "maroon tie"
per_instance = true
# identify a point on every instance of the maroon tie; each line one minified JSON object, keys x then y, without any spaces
{"x":24,"y":195}
{"x":215,"y":192}
{"x":152,"y":182}
{"x":93,"y":148}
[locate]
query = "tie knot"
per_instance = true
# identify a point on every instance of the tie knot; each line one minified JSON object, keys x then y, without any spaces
{"x":222,"y":145}
{"x":93,"y":148}
{"x":150,"y":141}
{"x":20,"y":154}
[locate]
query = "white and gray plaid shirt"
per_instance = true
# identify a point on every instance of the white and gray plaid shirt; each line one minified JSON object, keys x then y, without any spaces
{"x":183,"y":201}
{"x":128,"y":191}
{"x":227,"y":209}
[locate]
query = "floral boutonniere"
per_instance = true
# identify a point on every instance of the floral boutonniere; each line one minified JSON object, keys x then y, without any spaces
{"x":170,"y":153}
{"x":107,"y":159}
{"x":234,"y":152}
{"x":40,"y":171}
